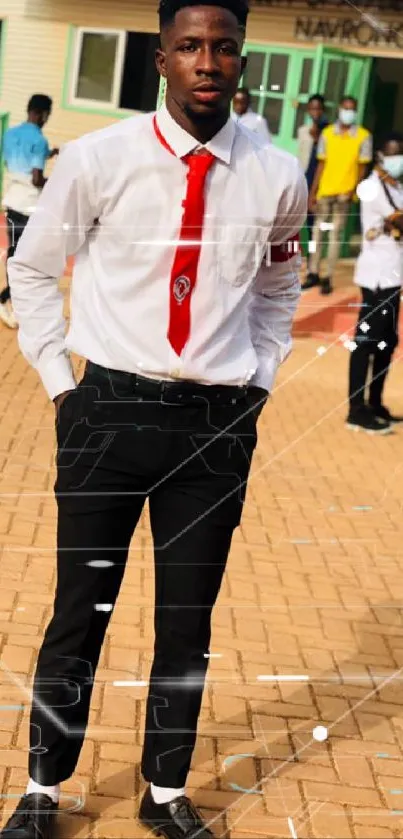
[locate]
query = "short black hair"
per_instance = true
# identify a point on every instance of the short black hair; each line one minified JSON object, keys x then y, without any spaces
{"x":245,"y":91}
{"x":390,"y":137}
{"x":39,"y":103}
{"x":317,"y":97}
{"x":169,"y":8}
{"x":348,"y":98}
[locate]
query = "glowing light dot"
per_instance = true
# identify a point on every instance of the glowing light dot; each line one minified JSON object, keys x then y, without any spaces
{"x":66,"y":226}
{"x":103,"y":607}
{"x":321,"y":350}
{"x":382,"y":345}
{"x":100,"y":563}
{"x":320,"y":733}
{"x":350,"y":345}
{"x":364,"y":327}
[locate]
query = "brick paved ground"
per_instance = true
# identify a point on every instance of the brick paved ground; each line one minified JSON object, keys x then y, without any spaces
{"x":314,"y":590}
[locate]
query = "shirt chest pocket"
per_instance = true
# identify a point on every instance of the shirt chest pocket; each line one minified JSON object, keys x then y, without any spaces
{"x":241,"y":249}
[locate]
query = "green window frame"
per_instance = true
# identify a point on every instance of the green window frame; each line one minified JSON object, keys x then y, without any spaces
{"x":295,"y":86}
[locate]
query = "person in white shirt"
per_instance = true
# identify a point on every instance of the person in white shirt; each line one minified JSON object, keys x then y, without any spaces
{"x":243,"y":114}
{"x":184,"y":228}
{"x":379,"y":273}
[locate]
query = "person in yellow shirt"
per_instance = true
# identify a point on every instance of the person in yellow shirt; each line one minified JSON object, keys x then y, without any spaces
{"x":344,"y":152}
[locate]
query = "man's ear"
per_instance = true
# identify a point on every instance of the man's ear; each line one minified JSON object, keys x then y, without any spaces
{"x":160,"y":60}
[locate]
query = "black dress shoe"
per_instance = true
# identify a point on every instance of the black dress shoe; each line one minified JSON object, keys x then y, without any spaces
{"x":34,"y":818}
{"x":311,"y":281}
{"x":177,"y":820}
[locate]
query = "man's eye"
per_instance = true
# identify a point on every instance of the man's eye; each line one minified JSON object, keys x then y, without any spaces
{"x":228,"y":49}
{"x":187,"y":47}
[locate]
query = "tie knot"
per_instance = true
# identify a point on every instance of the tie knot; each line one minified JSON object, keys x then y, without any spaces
{"x":200,"y":162}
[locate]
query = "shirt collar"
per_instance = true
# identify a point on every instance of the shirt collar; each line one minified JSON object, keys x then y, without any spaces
{"x":352,"y":129}
{"x":183,"y":143}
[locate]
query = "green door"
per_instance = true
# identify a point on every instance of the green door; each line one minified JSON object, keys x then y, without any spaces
{"x":280,"y":81}
{"x":343,"y":73}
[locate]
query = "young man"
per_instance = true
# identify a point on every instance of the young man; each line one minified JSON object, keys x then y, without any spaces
{"x":242,"y":113}
{"x":344,"y":151}
{"x":175,"y":212}
{"x":25,"y":151}
{"x":308,"y":138}
{"x":379,"y":273}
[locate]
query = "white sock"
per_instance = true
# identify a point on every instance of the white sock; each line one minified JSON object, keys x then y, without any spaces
{"x":52,"y":792}
{"x":163,"y":795}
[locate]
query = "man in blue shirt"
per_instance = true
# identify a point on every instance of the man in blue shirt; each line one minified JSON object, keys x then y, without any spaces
{"x":25,"y":151}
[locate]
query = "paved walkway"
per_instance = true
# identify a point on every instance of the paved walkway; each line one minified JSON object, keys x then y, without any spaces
{"x":313,"y":593}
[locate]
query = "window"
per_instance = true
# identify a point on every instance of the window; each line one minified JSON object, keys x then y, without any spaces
{"x":114,"y":68}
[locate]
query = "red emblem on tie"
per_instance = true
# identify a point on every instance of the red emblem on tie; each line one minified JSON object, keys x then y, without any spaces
{"x":181,"y":288}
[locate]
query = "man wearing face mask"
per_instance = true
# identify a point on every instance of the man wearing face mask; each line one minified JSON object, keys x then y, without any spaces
{"x":344,"y":152}
{"x":379,"y":273}
{"x":308,"y":138}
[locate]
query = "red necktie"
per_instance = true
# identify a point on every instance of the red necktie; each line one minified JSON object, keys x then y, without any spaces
{"x":187,"y":256}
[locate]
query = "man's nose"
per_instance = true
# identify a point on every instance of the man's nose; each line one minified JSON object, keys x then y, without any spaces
{"x":207,"y":63}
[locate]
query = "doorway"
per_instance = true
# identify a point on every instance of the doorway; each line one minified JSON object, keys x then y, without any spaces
{"x":384,"y":109}
{"x":282,"y":79}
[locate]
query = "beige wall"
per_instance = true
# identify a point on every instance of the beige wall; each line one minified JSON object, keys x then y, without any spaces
{"x":36,"y":48}
{"x":268,"y":25}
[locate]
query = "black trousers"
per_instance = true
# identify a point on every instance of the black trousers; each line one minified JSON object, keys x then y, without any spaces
{"x":375,"y":344}
{"x":16,"y":224}
{"x":188,"y":450}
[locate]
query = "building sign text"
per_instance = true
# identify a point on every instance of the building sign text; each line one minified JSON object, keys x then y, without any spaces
{"x":359,"y":32}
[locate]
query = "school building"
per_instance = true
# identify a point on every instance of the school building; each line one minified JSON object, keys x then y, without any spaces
{"x":96,"y":59}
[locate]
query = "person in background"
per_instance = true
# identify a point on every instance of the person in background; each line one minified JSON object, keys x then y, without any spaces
{"x":308,"y":138}
{"x":180,"y":360}
{"x":344,"y":152}
{"x":25,"y":152}
{"x":379,"y":273}
{"x":242,"y":113}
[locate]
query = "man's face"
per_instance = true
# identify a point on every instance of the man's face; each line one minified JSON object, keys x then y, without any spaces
{"x":241,"y":103}
{"x":348,"y":105}
{"x":315,"y":110}
{"x":392,"y":148}
{"x":201,"y":59}
{"x":43,"y":118}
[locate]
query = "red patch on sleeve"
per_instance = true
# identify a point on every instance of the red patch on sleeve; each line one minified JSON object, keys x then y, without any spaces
{"x":286,"y":251}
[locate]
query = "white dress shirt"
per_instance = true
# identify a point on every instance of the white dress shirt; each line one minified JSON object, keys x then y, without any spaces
{"x":114,"y":200}
{"x":254,"y":122}
{"x":380,"y":263}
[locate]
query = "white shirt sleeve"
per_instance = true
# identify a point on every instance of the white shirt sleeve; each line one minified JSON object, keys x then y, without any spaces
{"x":263,"y":129}
{"x":55,"y":231}
{"x":277,"y":287}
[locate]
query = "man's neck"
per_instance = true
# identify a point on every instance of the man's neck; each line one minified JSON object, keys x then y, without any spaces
{"x":202,"y":130}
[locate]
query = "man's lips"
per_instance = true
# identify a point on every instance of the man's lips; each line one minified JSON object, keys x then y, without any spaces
{"x":207,"y":94}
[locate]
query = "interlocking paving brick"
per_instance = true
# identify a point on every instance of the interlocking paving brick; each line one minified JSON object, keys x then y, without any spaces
{"x":313,"y":591}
